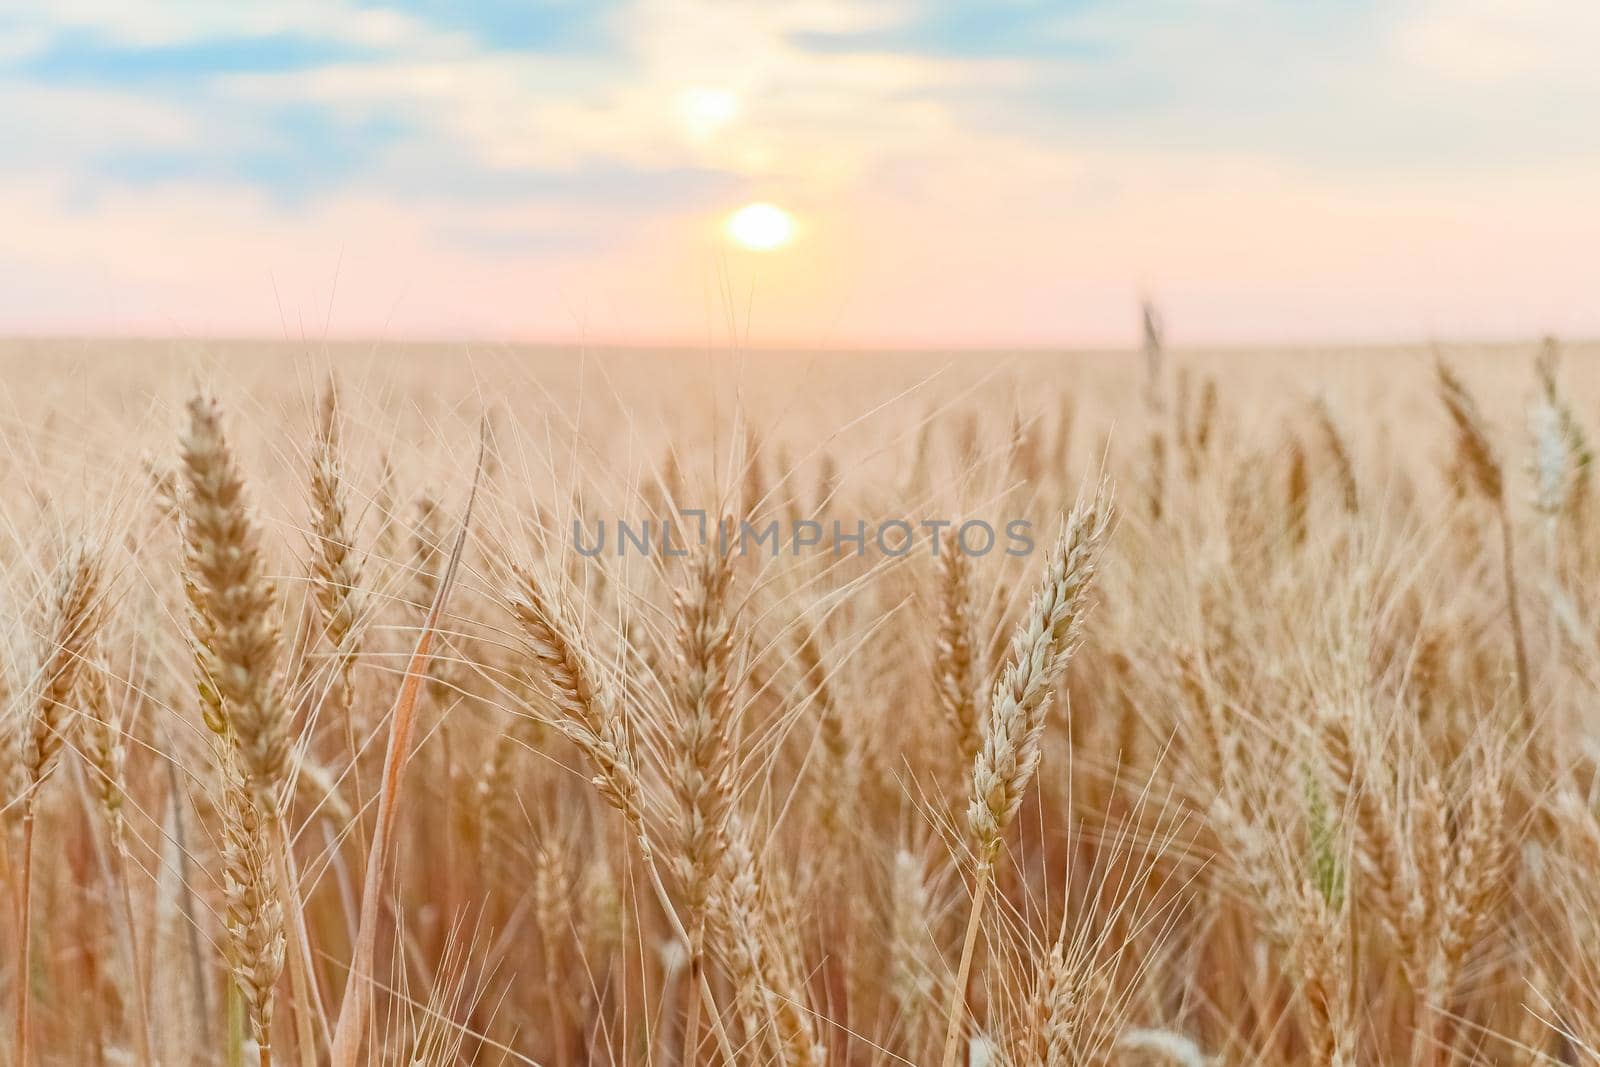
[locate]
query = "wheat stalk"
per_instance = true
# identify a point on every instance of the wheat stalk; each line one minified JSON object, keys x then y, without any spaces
{"x":351,"y":1028}
{"x":1044,"y":641}
{"x":1479,"y":460}
{"x":72,"y":622}
{"x":105,"y":749}
{"x":700,"y":751}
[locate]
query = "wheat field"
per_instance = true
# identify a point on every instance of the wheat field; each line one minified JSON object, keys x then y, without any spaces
{"x":1263,"y":734}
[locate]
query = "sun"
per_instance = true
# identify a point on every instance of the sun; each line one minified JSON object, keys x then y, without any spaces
{"x":761,"y":227}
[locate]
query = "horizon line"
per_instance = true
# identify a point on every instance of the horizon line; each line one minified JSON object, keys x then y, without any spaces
{"x":1082,"y":347}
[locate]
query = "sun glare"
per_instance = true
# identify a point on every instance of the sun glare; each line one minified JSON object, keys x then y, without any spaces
{"x":705,"y":111}
{"x":761,"y":227}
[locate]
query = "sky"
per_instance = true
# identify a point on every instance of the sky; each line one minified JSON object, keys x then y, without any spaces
{"x":958,"y":172}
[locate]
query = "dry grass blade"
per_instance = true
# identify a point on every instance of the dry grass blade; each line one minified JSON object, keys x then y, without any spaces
{"x":353,"y":1010}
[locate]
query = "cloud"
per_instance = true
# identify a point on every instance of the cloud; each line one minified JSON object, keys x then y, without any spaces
{"x":1405,"y":90}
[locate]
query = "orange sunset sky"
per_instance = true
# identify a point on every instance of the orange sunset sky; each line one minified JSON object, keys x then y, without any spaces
{"x":945,"y":174}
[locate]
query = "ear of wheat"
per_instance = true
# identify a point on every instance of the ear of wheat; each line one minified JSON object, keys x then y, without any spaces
{"x":591,"y":724}
{"x":955,"y":671}
{"x":236,"y":604}
{"x":1339,"y":451}
{"x":770,"y":994}
{"x":700,"y":728}
{"x":335,"y":564}
{"x":75,"y":612}
{"x":915,"y":970}
{"x":1044,"y":641}
{"x":1472,"y":437}
{"x":700,"y":749}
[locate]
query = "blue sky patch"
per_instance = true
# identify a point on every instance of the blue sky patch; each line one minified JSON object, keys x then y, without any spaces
{"x":971,"y":29}
{"x":519,"y":25}
{"x":291,"y":153}
{"x":82,"y":58}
